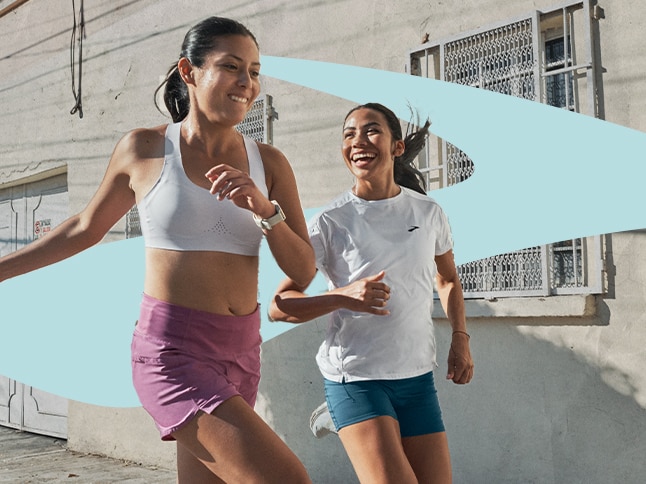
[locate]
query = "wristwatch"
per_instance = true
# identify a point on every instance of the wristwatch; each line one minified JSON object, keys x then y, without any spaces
{"x":268,"y":223}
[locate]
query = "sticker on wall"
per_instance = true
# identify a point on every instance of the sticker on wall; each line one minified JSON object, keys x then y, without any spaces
{"x":42,"y":228}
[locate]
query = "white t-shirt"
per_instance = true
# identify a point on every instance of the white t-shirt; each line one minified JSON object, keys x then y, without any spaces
{"x":355,"y":238}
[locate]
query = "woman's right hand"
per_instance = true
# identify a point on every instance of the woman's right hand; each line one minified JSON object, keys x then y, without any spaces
{"x":239,"y":187}
{"x":367,"y":295}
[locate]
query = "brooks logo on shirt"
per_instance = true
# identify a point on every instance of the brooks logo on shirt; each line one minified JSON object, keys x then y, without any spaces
{"x":413,"y":227}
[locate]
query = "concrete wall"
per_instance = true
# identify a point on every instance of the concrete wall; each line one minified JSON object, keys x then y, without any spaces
{"x":555,"y":399}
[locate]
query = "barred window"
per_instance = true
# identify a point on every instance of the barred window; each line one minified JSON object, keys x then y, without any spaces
{"x":257,"y":125}
{"x":133,"y":227}
{"x":533,"y":57}
{"x":559,"y":86}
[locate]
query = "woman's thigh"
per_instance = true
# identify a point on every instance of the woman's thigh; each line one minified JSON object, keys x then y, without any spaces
{"x":236,"y":445}
{"x":429,"y":457}
{"x":190,"y":469}
{"x":375,"y":449}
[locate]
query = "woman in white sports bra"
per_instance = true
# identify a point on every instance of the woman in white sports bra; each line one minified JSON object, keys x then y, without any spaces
{"x":206,"y":197}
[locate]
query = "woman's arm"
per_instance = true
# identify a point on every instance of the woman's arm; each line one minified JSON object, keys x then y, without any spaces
{"x":288,"y":240}
{"x":291,"y":304}
{"x":450,"y":291}
{"x":111,"y":201}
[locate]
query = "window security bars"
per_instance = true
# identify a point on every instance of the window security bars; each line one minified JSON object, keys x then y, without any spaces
{"x":133,"y":227}
{"x":533,"y":58}
{"x":257,"y":125}
{"x":499,"y":60}
{"x":559,"y":84}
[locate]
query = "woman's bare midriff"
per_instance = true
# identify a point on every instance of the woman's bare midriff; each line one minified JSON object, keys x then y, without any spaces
{"x":217,"y":282}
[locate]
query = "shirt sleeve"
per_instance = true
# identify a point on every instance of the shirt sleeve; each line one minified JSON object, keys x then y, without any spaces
{"x":443,"y":239}
{"x":318,"y":243}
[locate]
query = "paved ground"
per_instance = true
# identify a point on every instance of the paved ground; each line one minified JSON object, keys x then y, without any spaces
{"x":30,"y":458}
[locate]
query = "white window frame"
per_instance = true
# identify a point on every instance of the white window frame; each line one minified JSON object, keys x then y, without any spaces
{"x":492,"y":277}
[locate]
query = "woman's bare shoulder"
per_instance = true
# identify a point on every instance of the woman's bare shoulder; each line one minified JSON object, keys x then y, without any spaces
{"x":272,"y":157}
{"x":143,"y":143}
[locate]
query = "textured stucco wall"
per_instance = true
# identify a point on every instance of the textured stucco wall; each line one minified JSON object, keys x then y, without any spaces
{"x":554,"y":399}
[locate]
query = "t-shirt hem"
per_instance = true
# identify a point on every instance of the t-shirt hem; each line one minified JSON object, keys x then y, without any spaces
{"x":349,"y":377}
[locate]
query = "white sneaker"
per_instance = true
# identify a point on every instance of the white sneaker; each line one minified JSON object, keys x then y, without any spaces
{"x":321,"y":421}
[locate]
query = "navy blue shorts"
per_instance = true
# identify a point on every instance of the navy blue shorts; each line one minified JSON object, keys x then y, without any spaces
{"x":412,"y":402}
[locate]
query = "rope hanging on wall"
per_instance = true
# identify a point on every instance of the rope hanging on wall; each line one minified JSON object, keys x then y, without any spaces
{"x":79,"y":28}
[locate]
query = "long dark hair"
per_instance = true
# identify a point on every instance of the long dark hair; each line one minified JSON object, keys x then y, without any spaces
{"x":199,"y":41}
{"x":405,"y":173}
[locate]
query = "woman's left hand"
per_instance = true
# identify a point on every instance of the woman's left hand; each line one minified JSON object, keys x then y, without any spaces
{"x":237,"y":186}
{"x":460,"y":360}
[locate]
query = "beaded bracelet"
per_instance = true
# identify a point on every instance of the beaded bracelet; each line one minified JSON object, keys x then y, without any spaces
{"x":463,"y":332}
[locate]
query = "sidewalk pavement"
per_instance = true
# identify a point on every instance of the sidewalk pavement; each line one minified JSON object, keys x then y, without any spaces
{"x":27,"y":458}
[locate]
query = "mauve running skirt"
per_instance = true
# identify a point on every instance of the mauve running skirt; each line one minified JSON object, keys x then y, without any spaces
{"x":185,"y":360}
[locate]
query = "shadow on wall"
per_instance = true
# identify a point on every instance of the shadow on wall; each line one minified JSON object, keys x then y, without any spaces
{"x":290,"y":389}
{"x":535,"y":412}
{"x":538,"y":412}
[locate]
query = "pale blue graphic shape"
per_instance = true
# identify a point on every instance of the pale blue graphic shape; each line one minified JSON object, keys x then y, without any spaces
{"x":542,"y":175}
{"x":66,"y":328}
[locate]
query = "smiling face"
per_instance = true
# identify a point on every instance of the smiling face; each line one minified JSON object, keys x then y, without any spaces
{"x":369,"y":151}
{"x":224,"y":88}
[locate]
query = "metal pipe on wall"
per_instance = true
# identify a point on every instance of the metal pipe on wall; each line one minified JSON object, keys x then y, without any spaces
{"x":11,"y":7}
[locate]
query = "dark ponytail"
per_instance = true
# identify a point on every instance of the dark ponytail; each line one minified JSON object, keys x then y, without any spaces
{"x":199,"y":41}
{"x":175,"y":95}
{"x":405,"y":172}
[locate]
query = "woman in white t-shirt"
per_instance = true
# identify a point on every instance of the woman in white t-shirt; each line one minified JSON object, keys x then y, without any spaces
{"x":381,"y":246}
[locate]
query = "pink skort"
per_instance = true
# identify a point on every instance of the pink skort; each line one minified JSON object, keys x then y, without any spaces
{"x":185,"y":360}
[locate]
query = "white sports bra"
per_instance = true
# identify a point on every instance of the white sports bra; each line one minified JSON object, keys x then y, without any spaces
{"x":177,"y":214}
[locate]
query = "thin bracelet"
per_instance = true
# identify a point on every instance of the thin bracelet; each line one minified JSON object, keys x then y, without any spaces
{"x":463,"y":332}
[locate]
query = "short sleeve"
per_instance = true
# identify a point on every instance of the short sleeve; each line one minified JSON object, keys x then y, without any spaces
{"x":317,"y":239}
{"x":443,"y":239}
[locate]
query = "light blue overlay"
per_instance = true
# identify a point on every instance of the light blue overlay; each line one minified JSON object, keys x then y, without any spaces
{"x":542,"y":175}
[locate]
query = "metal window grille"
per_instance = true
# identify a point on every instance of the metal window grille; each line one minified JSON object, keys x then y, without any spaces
{"x":559,"y":85}
{"x":257,"y":125}
{"x":133,"y":227}
{"x":517,"y":59}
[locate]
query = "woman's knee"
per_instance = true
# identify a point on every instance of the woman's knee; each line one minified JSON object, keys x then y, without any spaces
{"x":237,"y":445}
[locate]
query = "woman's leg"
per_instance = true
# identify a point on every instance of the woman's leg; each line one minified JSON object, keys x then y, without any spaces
{"x":429,"y":457}
{"x":190,"y":469}
{"x":375,"y":449}
{"x":236,"y":445}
